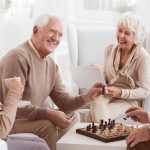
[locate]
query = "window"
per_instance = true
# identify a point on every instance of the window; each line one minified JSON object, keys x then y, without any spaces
{"x":17,"y":8}
{"x":102,"y":10}
{"x":98,"y":4}
{"x":96,"y":10}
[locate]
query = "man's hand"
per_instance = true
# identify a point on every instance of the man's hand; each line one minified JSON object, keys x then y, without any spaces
{"x":137,"y":114}
{"x":59,"y":118}
{"x":97,"y":90}
{"x":114,"y":91}
{"x":138,"y":135}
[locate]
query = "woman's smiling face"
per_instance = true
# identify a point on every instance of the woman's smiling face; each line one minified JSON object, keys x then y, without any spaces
{"x":125,"y":37}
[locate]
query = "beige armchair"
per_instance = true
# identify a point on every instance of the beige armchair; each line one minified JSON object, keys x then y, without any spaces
{"x":86,"y":46}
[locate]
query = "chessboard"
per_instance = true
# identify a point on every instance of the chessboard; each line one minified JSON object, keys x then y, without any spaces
{"x":106,"y":131}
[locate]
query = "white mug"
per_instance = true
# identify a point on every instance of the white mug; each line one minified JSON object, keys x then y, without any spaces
{"x":23,"y":103}
{"x":8,"y":81}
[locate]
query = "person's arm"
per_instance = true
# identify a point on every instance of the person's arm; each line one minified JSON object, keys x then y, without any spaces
{"x":137,"y":114}
{"x":68,"y":103}
{"x":64,"y":101}
{"x":32,"y":112}
{"x":143,"y":89}
{"x":143,"y":84}
{"x":148,"y":113}
{"x":138,"y":135}
{"x":8,"y":109}
{"x":15,"y":64}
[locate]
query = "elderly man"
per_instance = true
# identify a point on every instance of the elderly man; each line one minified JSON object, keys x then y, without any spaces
{"x":41,"y":78}
{"x":139,"y":139}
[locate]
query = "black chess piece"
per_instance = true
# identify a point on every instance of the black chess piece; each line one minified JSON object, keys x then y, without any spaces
{"x":101,"y":121}
{"x":93,"y":125}
{"x":109,"y":127}
{"x":103,"y":90}
{"x":113,"y":123}
{"x":100,"y":126}
{"x":94,"y":129}
{"x":88,"y":128}
{"x":109,"y":121}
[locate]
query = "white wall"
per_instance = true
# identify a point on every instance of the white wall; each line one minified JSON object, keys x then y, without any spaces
{"x":14,"y":32}
{"x":143,"y":9}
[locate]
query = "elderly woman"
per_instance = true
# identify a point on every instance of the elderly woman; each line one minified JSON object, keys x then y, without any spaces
{"x":126,"y":71}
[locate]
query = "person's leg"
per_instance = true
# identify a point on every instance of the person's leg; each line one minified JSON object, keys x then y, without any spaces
{"x":16,"y":144}
{"x":75,"y":117}
{"x":140,"y":146}
{"x":43,"y":128}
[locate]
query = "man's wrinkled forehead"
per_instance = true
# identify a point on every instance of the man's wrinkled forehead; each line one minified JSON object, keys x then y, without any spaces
{"x":55,"y":24}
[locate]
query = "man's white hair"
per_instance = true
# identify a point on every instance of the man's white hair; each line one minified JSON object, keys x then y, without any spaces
{"x":42,"y":20}
{"x":136,"y":24}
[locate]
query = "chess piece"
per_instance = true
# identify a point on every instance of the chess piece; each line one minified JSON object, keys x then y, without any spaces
{"x":88,"y":128}
{"x":113,"y":123}
{"x":103,"y":90}
{"x":109,"y":121}
{"x":93,"y":125}
{"x":106,"y":132}
{"x":101,"y":121}
{"x":94,"y":129}
{"x":125,"y":117}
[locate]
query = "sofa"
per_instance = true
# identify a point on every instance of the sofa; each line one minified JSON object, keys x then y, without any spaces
{"x":86,"y":46}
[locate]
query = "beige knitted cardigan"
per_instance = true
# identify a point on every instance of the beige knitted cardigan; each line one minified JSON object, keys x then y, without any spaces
{"x":134,"y":77}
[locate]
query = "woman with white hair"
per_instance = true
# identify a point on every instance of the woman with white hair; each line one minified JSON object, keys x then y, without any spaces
{"x":126,"y":71}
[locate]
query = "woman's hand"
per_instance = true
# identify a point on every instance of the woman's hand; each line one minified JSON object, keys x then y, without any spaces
{"x":114,"y":91}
